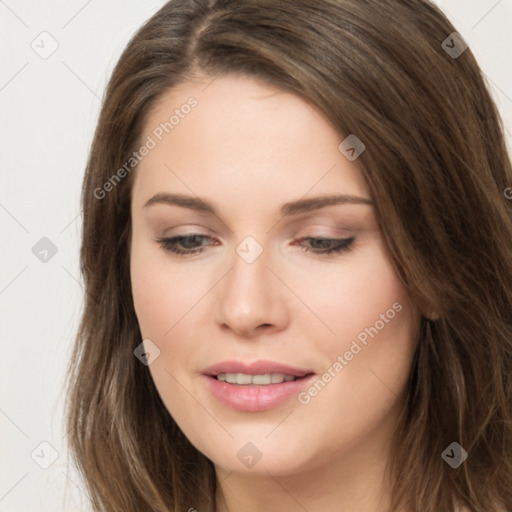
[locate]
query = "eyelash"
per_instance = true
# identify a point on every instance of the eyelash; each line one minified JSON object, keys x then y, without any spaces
{"x":341,"y":245}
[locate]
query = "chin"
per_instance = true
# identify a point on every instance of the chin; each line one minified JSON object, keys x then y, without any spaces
{"x":259,"y":459}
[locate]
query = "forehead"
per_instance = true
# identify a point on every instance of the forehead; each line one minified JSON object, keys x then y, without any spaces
{"x":233,"y":136}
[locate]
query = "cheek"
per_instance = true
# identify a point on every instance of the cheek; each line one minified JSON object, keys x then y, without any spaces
{"x":150,"y":299}
{"x":162,"y":292}
{"x":164,"y":299}
{"x":375,"y":328}
{"x":368,"y":360}
{"x":351,"y":297}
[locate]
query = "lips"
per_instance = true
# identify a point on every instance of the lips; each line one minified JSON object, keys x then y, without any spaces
{"x":254,"y":397}
{"x":255,"y":368}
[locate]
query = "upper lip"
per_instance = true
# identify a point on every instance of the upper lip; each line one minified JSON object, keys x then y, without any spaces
{"x":255,"y":368}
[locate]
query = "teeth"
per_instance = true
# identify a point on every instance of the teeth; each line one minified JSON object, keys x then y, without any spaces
{"x":241,"y":378}
{"x":245,"y":379}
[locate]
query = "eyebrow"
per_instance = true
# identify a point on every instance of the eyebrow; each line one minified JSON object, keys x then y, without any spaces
{"x":287,"y":209}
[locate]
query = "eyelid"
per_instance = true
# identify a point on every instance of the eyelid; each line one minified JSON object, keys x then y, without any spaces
{"x":193,"y":230}
{"x":341,"y":245}
{"x":325,"y":232}
{"x":310,"y":231}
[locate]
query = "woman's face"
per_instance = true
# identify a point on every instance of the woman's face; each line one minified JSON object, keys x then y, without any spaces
{"x":256,"y":287}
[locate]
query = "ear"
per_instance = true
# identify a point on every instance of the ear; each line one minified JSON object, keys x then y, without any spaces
{"x":430,"y":314}
{"x":428,"y":310}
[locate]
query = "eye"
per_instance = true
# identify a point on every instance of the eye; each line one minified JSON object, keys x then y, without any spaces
{"x":191,"y":244}
{"x":327,"y":246}
{"x":187,"y":241}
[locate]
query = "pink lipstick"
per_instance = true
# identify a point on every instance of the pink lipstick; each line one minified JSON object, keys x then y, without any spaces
{"x":257,"y":386}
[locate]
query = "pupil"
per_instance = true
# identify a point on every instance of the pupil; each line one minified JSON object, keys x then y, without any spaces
{"x":321,"y":243}
{"x":190,"y":241}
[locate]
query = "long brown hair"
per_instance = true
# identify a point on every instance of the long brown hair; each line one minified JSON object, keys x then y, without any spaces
{"x":436,"y":165}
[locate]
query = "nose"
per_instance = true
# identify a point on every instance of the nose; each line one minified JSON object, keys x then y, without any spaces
{"x":251,"y":299}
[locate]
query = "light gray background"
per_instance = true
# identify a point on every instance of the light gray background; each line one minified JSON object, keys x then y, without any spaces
{"x":49,"y":107}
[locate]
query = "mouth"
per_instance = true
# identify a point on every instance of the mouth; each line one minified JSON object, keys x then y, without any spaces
{"x":266,"y":379}
{"x":259,"y":372}
{"x":253,"y":389}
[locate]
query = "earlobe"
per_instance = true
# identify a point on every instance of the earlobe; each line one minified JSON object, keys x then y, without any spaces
{"x":428,"y":311}
{"x":431,"y":315}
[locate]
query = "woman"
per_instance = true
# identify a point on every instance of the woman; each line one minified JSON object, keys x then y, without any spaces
{"x":297,"y":254}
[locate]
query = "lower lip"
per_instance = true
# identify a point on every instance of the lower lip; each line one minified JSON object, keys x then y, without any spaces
{"x":254,"y":398}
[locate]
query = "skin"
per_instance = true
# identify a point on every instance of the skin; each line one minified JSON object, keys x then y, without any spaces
{"x":248,"y":148}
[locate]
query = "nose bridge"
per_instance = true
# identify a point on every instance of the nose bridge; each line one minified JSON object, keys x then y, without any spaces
{"x":248,"y":280}
{"x":250,"y":295}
